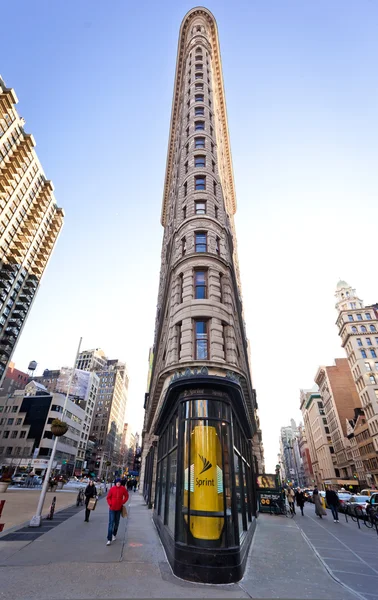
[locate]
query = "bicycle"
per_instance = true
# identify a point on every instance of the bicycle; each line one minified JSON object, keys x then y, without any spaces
{"x":280,"y":509}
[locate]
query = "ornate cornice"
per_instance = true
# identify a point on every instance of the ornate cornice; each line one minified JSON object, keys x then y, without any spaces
{"x":230,"y":198}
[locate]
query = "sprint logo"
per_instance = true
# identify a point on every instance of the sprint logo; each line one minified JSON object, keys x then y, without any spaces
{"x":206,"y":464}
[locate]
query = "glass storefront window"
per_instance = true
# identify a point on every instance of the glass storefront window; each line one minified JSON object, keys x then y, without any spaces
{"x":204,"y":473}
{"x":172,"y":480}
{"x":163,"y":488}
{"x":238,"y":492}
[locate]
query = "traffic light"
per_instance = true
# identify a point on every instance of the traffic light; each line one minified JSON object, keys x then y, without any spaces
{"x":355,"y":475}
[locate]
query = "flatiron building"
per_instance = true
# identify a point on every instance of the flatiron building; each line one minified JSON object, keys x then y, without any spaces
{"x":202,"y":444}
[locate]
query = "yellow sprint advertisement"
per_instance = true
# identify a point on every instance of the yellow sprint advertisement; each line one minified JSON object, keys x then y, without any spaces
{"x":206,"y":484}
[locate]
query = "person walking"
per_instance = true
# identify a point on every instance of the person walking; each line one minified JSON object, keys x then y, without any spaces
{"x":300,"y":498}
{"x":319,"y":510}
{"x":333,"y":502}
{"x":116,"y":498}
{"x":290,"y":498}
{"x":90,"y":492}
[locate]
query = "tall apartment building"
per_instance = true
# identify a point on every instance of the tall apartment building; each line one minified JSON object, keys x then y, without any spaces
{"x":319,"y":440}
{"x":83,"y":392}
{"x":340,"y":400}
{"x":26,"y":440}
{"x":358,"y":329}
{"x":200,"y":413}
{"x":308,"y":473}
{"x":109,"y":414}
{"x":290,"y":455}
{"x":30,"y":222}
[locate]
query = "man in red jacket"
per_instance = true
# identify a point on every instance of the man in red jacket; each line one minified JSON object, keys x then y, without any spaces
{"x":117,"y":497}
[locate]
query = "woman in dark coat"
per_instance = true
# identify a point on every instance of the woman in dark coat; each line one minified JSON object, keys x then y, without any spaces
{"x":90,"y":492}
{"x":300,"y":498}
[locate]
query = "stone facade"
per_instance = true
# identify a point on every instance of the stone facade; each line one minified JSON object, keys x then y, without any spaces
{"x":340,"y":399}
{"x":358,"y":329}
{"x":199,"y":320}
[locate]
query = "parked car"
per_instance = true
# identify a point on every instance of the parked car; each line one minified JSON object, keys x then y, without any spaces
{"x":368,"y":492}
{"x":19,"y":478}
{"x":374,"y":499}
{"x":356,"y":505}
{"x":343,"y":499}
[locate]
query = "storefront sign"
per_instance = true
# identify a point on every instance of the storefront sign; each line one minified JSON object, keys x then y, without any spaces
{"x":200,"y":372}
{"x":266,"y":499}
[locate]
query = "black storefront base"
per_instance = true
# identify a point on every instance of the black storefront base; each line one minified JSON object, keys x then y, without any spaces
{"x":202,"y":565}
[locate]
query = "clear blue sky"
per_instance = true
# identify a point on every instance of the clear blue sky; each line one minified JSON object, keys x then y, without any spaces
{"x":95,"y":82}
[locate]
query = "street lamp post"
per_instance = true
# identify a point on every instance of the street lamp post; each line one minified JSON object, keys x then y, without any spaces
{"x":36,"y":521}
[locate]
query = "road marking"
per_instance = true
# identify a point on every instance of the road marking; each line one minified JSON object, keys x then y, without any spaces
{"x":345,"y":546}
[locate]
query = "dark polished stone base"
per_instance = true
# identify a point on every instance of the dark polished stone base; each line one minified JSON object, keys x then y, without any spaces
{"x":221,"y":565}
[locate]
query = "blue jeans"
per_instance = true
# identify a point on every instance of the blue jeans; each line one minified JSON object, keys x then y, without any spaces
{"x":334,"y":512}
{"x":114,"y":517}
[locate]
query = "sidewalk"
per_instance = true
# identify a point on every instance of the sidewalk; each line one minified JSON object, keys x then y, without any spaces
{"x":20,"y":505}
{"x":72,"y":561}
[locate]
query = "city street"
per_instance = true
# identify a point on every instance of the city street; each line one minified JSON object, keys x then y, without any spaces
{"x":290,"y":558}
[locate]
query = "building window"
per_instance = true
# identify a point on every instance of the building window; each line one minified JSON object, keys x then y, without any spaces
{"x":376,"y":366}
{"x":216,"y":211}
{"x":359,"y":342}
{"x":350,"y":317}
{"x":186,"y":166}
{"x":373,"y":353}
{"x":211,"y":131}
{"x":198,"y":67}
{"x":187,"y":149}
{"x":181,"y":287}
{"x":353,"y":305}
{"x":14,"y":434}
{"x":372,"y":379}
{"x":185,"y":189}
{"x":215,"y":188}
{"x":363,"y":354}
{"x":199,"y":125}
{"x":359,"y":317}
{"x":10,"y":421}
{"x":200,"y":161}
{"x":363,"y":329}
{"x":200,"y":285}
{"x":201,"y":340}
{"x":212,"y":147}
{"x":183,"y":246}
{"x":221,"y":287}
{"x":367,"y":366}
{"x":213,"y":166}
{"x":367,"y":316}
{"x":201,"y":242}
{"x":200,"y":182}
{"x":184,"y":215}
{"x":198,"y":87}
{"x":372,"y":328}
{"x":187,"y":132}
{"x":199,"y":111}
{"x":198,"y":76}
{"x":217,"y":245}
{"x":199,"y":142}
{"x":6,"y":434}
{"x":198,"y":98}
{"x":368,"y":341}
{"x":354,"y":329}
{"x":200,"y":207}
